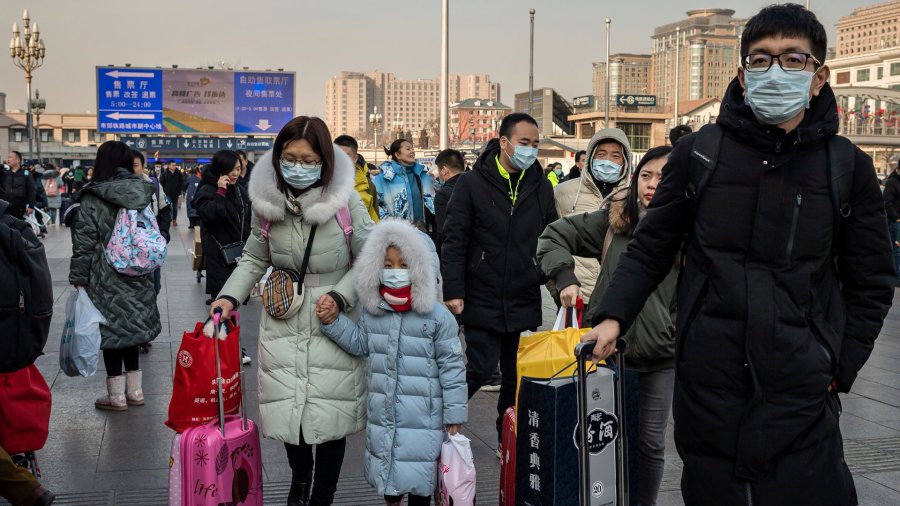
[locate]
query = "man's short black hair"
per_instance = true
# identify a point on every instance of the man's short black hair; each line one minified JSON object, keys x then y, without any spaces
{"x":241,"y":153}
{"x":679,"y":131}
{"x":138,"y":154}
{"x":579,"y":154}
{"x":786,"y":20}
{"x":512,"y":120}
{"x":347,"y":142}
{"x":19,"y":154}
{"x":451,"y":159}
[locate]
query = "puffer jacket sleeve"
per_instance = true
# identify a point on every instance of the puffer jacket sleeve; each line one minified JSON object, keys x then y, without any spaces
{"x":362,"y":227}
{"x":866,"y":268}
{"x":253,"y":264}
{"x":85,"y":237}
{"x":211,"y":206}
{"x":351,"y":337}
{"x":579,"y":235}
{"x":451,"y":368}
{"x":457,"y":233}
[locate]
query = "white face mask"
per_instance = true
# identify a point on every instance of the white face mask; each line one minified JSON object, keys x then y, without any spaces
{"x":395,"y":278}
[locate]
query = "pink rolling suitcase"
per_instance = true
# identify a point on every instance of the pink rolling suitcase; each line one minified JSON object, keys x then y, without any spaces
{"x":217,"y":464}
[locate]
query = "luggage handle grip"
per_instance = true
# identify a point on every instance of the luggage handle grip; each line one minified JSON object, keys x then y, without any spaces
{"x":586,"y":349}
{"x":217,"y":314}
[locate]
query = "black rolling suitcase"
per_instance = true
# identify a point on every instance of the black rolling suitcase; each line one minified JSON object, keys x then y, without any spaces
{"x":603,"y":461}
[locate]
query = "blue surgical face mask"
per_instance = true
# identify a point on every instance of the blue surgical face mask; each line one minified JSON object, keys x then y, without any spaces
{"x":523,"y":157}
{"x":300,"y":175}
{"x":395,"y":278}
{"x":776,"y":96}
{"x":606,"y":171}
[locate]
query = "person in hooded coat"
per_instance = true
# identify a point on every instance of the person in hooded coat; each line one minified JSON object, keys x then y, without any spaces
{"x":782,"y":294}
{"x":586,"y":193}
{"x":417,"y":374}
{"x":224,"y":211}
{"x":190,"y":190}
{"x":311,"y":392}
{"x":114,"y":186}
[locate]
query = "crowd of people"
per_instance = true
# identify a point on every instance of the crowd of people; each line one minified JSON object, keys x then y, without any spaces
{"x":747,"y":268}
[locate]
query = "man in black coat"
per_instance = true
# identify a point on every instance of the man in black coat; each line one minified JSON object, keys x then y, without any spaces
{"x":781,"y":295}
{"x":172,"y":182}
{"x":17,"y":187}
{"x":491,"y":275}
{"x":450,"y":165}
{"x":892,"y":207}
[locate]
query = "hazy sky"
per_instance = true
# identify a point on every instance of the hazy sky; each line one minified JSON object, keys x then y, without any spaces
{"x":319,"y":39}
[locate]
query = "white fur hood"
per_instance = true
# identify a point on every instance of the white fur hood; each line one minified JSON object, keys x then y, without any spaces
{"x":420,"y":256}
{"x":317,"y":204}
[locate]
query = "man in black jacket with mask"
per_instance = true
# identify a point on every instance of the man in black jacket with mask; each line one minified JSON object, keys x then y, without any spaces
{"x":491,"y":276}
{"x":17,"y":187}
{"x":892,"y":207}
{"x":784,"y":286}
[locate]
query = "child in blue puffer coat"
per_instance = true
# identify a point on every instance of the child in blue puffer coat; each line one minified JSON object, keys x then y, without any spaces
{"x":416,"y":380}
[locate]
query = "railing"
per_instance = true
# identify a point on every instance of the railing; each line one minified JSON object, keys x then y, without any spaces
{"x":888,"y":128}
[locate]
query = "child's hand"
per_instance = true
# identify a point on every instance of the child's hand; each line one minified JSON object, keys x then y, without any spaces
{"x":326,"y":316}
{"x":453,"y":429}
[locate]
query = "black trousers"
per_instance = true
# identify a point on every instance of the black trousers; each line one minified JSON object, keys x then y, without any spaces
{"x":484,"y":348}
{"x":412,"y":500}
{"x":327,"y":464}
{"x":113,"y":360}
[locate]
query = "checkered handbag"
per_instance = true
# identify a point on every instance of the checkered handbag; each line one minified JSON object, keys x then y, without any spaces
{"x":283,"y":292}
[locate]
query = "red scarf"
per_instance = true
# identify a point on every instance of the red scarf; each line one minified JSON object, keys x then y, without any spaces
{"x":400,"y":299}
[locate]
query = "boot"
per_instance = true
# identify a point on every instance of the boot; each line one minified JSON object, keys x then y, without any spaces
{"x":134,"y":396}
{"x":115,"y":400}
{"x":301,"y":484}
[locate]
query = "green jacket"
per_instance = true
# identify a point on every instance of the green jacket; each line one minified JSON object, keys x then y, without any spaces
{"x":651,"y":340}
{"x":128,"y":303}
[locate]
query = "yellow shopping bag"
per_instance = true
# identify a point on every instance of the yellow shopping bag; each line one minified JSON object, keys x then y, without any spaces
{"x":549,"y":353}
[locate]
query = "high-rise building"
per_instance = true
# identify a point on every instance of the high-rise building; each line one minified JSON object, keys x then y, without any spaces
{"x":549,"y":109}
{"x":629,"y":74}
{"x":708,"y":55}
{"x":404,"y":105}
{"x":869,"y":29}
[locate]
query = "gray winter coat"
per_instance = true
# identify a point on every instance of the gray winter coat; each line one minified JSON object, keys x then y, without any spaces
{"x":128,"y":303}
{"x":416,"y":374}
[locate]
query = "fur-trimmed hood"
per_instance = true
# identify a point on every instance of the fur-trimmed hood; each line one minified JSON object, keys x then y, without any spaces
{"x":615,"y":205}
{"x":318,"y":205}
{"x":420,"y":256}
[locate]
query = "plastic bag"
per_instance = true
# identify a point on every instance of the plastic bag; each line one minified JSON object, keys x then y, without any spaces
{"x":457,"y":469}
{"x":79,"y":348}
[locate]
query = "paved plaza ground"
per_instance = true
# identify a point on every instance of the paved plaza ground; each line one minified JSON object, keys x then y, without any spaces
{"x":98,"y":458}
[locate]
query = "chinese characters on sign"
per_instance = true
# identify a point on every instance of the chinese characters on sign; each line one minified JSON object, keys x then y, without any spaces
{"x":534,"y":460}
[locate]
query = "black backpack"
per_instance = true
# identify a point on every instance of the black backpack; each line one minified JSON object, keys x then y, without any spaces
{"x":840,"y":156}
{"x":26,"y":294}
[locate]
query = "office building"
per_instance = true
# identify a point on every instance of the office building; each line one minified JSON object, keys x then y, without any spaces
{"x":549,"y":109}
{"x":629,"y":74}
{"x":475,"y":121}
{"x":869,"y":29}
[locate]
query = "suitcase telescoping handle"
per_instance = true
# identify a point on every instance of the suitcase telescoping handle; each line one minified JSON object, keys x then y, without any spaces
{"x":217,"y":314}
{"x":583,"y":353}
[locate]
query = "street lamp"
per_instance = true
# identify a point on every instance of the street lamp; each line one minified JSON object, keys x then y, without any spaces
{"x":398,"y":125}
{"x":677,"y":69}
{"x":608,"y":23}
{"x":38,"y":105}
{"x":28,"y":55}
{"x":375,"y":120}
{"x":531,"y":67}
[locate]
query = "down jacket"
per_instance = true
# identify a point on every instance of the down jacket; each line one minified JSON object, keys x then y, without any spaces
{"x":127,"y":302}
{"x":417,"y":377}
{"x":651,"y":340}
{"x":581,"y":195}
{"x":774,"y":303}
{"x":304,"y":378}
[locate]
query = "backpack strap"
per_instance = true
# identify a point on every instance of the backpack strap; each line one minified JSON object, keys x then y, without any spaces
{"x":841,"y":156}
{"x":264,"y":226}
{"x":704,"y":159}
{"x":346,"y":223}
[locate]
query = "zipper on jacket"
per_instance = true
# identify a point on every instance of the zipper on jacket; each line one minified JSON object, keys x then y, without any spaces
{"x":778,"y":146}
{"x":21,"y":301}
{"x":749,"y":495}
{"x":820,"y":340}
{"x":792,"y":236}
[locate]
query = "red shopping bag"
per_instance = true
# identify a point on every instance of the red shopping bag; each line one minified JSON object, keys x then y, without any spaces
{"x":24,"y":410}
{"x":194,"y":400}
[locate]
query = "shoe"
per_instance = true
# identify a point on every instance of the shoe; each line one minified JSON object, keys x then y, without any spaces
{"x":301,"y":484}
{"x":490,"y":388}
{"x":41,"y":497}
{"x":115,"y":398}
{"x":134,"y":395}
{"x":209,"y":300}
{"x":499,"y":452}
{"x":245,"y":359}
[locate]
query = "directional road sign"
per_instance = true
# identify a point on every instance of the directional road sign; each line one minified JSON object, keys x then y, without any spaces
{"x":129,"y":100}
{"x":207,"y":144}
{"x":636,"y":100}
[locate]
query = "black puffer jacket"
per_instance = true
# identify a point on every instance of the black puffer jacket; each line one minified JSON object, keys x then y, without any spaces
{"x":892,"y":197}
{"x":766,"y":318}
{"x":128,"y":303}
{"x":488,"y":258}
{"x":221,"y":219}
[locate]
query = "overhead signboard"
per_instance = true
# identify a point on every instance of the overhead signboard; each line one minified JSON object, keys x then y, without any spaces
{"x":636,"y":100}
{"x":208,"y":144}
{"x":136,"y":100}
{"x":585,"y":101}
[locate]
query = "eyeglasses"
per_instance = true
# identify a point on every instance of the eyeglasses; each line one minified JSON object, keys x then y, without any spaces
{"x":296,"y":164}
{"x":789,"y":62}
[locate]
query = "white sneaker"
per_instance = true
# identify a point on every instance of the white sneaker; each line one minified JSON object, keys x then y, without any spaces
{"x":490,"y":388}
{"x":245,"y":359}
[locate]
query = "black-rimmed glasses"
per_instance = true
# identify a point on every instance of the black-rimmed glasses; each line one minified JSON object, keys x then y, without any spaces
{"x":789,"y":62}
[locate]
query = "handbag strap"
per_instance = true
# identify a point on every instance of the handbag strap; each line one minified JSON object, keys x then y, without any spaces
{"x":309,"y":243}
